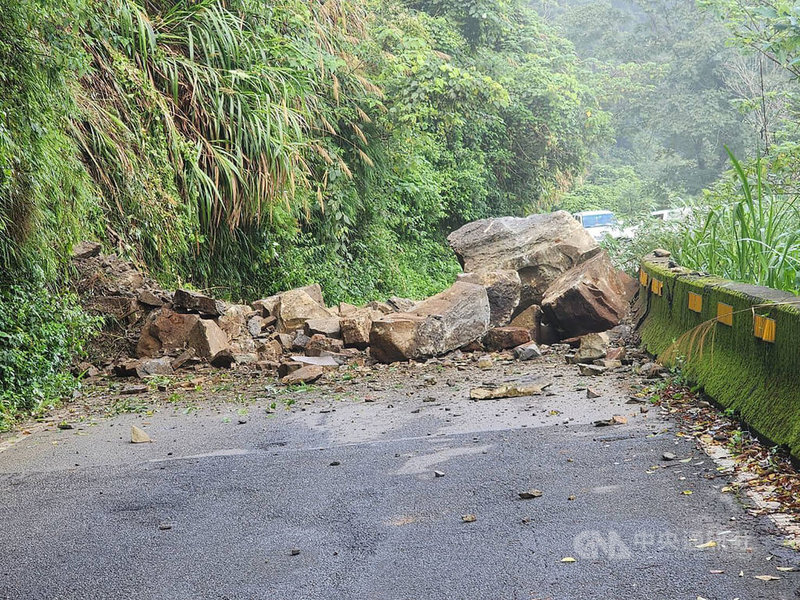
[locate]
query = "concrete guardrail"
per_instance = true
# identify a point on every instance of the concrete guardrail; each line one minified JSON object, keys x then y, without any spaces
{"x":740,"y":342}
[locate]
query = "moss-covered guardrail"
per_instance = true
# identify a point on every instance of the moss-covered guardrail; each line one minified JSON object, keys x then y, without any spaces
{"x":740,"y":342}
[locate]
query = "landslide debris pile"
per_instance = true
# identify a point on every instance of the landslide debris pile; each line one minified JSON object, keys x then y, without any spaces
{"x":527,"y":281}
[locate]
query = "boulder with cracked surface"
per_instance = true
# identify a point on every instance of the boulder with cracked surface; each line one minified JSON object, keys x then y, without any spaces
{"x":539,"y":247}
{"x":590,"y":298}
{"x":438,"y":325}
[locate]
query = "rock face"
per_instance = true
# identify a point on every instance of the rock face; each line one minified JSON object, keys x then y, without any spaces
{"x":504,"y":289}
{"x":440,"y":324}
{"x":539,"y":247}
{"x":590,"y":298}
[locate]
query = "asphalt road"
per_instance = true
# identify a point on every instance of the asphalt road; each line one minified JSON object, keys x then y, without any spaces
{"x":215,"y":509}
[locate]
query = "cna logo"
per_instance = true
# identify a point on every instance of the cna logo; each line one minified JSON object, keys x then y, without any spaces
{"x":596,"y":544}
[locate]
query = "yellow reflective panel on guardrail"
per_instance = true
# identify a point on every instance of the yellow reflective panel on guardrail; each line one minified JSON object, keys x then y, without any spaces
{"x":695,"y":302}
{"x":725,"y":314}
{"x":657,"y":287}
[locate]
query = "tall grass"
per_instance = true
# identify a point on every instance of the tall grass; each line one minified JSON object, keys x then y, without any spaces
{"x":752,"y":236}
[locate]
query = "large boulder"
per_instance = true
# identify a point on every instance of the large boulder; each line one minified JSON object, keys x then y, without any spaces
{"x":207,"y":339}
{"x":235,"y":323}
{"x":438,"y":325}
{"x":267,"y":306}
{"x":164,"y":330}
{"x":539,"y":247}
{"x":356,"y":326}
{"x":295,"y":307}
{"x":504,"y":289}
{"x":589,"y":298}
{"x":191,"y":301}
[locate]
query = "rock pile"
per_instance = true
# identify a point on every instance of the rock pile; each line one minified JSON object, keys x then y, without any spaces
{"x":529,"y":281}
{"x":544,"y":271}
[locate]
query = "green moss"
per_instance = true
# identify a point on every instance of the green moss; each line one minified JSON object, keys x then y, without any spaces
{"x":759,"y":380}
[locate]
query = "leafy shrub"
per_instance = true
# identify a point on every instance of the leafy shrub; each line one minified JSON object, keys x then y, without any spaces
{"x":39,"y":334}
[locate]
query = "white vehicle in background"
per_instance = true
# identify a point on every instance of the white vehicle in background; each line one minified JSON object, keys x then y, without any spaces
{"x":602,"y":223}
{"x":672,"y":214}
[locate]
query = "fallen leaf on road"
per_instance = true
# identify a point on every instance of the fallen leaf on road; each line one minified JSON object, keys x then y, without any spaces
{"x":767,"y":577}
{"x":787,"y":569}
{"x":138,"y":436}
{"x":469,"y":518}
{"x":687,"y":492}
{"x":568,"y":559}
{"x":711,"y":544}
{"x":716,"y":572}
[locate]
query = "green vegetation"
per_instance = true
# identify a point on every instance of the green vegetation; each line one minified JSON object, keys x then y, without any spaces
{"x":255,"y":146}
{"x":39,"y":335}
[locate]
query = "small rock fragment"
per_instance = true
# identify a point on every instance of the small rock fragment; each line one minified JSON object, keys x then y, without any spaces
{"x":530,"y":494}
{"x":469,"y":518}
{"x":138,"y":436}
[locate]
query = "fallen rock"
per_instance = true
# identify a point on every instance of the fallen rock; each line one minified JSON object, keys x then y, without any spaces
{"x":652,"y":370}
{"x":346,"y":309}
{"x":530,"y":319}
{"x":125,"y":368}
{"x":355,"y":329}
{"x":592,"y":297}
{"x":669,"y":456}
{"x":616,"y":354}
{"x":329,"y":327}
{"x":591,"y":394}
{"x":270,"y":351}
{"x":320,"y":343}
{"x":192,"y":301}
{"x":507,"y":391}
{"x":527,"y":351}
{"x":591,"y":370}
{"x":504,"y":338}
{"x":235,"y":323}
{"x":184,"y":358}
{"x":207,"y":339}
{"x":225,"y":358}
{"x":155,"y":366}
{"x":85,"y":250}
{"x":326,"y":362}
{"x":266,"y":307}
{"x":295,"y":307}
{"x":530,"y":494}
{"x":139,"y":436}
{"x":149,"y":298}
{"x":615,"y":420}
{"x":438,"y":325}
{"x":287,"y":367}
{"x":165,"y":330}
{"x":609,"y":364}
{"x":503,"y":288}
{"x":306,"y":374}
{"x":539,"y":247}
{"x":381,"y":307}
{"x":401,"y":304}
{"x":593,"y":346}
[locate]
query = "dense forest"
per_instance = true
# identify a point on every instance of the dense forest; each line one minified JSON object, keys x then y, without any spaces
{"x":248,"y":146}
